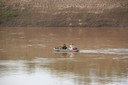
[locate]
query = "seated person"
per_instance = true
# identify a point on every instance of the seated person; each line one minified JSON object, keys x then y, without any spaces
{"x":64,"y":47}
{"x":71,"y":47}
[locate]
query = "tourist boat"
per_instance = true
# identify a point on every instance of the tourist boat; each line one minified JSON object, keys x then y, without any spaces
{"x":65,"y":50}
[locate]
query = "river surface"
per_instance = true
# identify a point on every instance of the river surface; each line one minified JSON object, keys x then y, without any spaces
{"x":27,"y":57}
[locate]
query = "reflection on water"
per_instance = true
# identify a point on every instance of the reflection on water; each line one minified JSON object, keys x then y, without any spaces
{"x":26,"y":57}
{"x":91,"y":70}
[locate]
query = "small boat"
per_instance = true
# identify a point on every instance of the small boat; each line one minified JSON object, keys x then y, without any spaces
{"x":65,"y":50}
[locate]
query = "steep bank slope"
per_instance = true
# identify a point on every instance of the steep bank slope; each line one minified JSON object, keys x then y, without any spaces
{"x":96,"y":13}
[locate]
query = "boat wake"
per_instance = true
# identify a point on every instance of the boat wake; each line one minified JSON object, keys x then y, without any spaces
{"x":107,"y":51}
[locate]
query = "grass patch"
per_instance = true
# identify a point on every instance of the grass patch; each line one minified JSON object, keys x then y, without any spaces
{"x":8,"y":14}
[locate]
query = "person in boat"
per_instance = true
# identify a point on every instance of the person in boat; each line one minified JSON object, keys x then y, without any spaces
{"x":64,"y":46}
{"x":72,"y":47}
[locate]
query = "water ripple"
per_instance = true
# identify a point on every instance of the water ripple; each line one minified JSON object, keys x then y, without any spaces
{"x":107,"y":51}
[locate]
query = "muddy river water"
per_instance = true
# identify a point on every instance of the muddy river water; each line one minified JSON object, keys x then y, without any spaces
{"x":27,"y":57}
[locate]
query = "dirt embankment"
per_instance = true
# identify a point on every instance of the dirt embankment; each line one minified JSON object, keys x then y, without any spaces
{"x":64,"y":13}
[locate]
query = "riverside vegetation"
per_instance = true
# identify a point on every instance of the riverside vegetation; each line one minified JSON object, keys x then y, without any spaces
{"x":64,"y":13}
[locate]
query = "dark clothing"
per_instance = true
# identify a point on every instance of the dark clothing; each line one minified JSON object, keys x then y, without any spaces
{"x":64,"y":47}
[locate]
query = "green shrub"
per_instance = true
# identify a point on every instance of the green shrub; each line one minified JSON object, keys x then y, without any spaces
{"x":9,"y":14}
